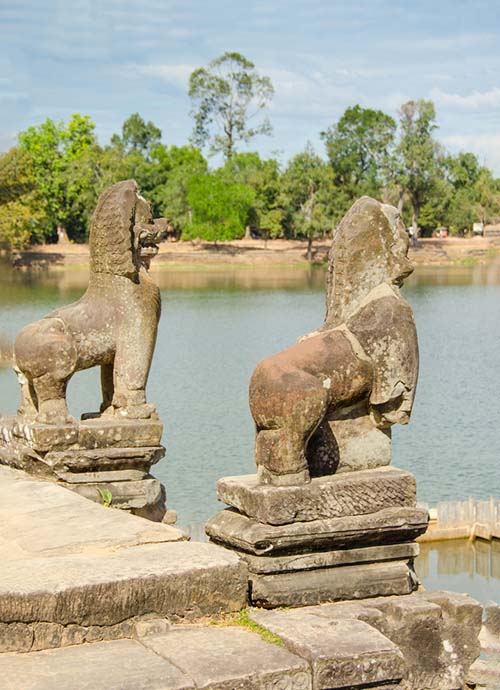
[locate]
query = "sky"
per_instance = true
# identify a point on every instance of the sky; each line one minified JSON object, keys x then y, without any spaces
{"x":110,"y":58}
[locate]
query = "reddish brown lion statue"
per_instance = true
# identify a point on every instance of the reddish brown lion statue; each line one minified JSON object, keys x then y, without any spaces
{"x":327,"y":403}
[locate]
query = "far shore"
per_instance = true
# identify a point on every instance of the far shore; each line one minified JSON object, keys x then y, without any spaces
{"x":430,"y":251}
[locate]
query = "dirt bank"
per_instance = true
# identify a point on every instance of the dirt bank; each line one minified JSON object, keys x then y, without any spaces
{"x":429,"y":252}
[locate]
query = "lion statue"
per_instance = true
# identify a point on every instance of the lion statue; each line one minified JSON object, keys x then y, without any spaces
{"x":344,"y":385}
{"x":114,"y":324}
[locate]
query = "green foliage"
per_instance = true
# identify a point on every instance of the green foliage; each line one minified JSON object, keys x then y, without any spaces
{"x":137,"y":135}
{"x":54,"y":149}
{"x":106,"y":497}
{"x":242,"y":619}
{"x":226,"y":95}
{"x":417,"y":154}
{"x":22,"y":211}
{"x":359,"y":147}
{"x":220,"y":211}
{"x":309,"y":196}
{"x":263,"y":177}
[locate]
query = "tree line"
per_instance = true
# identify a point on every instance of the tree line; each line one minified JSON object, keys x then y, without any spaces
{"x":50,"y":181}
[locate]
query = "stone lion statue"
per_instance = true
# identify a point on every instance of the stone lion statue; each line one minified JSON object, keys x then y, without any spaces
{"x":327,"y":403}
{"x":114,"y":324}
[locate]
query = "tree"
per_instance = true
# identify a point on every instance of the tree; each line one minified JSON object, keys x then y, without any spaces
{"x":137,"y":135}
{"x":417,"y":155}
{"x":308,"y":195}
{"x":226,"y":95}
{"x":179,"y":164}
{"x":21,"y":210}
{"x":263,"y":177}
{"x":219,"y":210}
{"x":359,"y":147}
{"x":54,"y":148}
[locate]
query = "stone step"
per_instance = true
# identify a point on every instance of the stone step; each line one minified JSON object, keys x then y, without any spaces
{"x":415,"y":641}
{"x":215,"y":658}
{"x":73,"y":571}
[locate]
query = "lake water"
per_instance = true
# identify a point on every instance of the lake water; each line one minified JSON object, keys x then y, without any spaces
{"x":218,"y":323}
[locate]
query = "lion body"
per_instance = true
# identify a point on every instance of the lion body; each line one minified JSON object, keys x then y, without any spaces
{"x":114,"y":325}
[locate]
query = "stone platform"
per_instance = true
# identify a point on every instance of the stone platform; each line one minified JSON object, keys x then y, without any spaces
{"x":93,"y":456}
{"x":72,"y":571}
{"x":344,"y":536}
{"x":411,"y":643}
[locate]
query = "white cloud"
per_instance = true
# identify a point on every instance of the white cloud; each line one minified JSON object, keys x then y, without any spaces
{"x":171,"y":73}
{"x":475,"y":99}
{"x":485,"y":146}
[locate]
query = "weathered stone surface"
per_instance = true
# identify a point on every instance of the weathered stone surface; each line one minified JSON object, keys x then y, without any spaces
{"x":41,"y":518}
{"x":229,"y":658}
{"x":354,"y":493}
{"x":89,"y":434}
{"x":365,"y":354}
{"x":327,"y":559}
{"x":113,"y":325}
{"x":389,"y":526}
{"x":437,"y":632}
{"x":104,"y":459}
{"x":125,"y":494}
{"x":438,"y":641}
{"x":345,"y":653}
{"x":119,"y":665}
{"x":102,"y":477}
{"x":348,"y":440}
{"x":170,"y":579}
{"x":304,"y":588}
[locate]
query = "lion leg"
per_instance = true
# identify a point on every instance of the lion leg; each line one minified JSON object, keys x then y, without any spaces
{"x":287,"y":405}
{"x":131,"y":369}
{"x":51,"y":395}
{"x":46,"y":355}
{"x":29,"y":407}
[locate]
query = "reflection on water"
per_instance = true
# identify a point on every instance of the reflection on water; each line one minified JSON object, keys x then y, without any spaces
{"x":462,"y":566}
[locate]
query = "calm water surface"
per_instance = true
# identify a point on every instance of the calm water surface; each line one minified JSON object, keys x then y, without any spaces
{"x":218,"y":323}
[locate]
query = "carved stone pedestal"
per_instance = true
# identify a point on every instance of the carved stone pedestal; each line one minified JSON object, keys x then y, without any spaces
{"x":346,"y":536}
{"x":105,"y":460}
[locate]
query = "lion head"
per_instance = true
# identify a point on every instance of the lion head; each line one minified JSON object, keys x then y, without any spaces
{"x":370,"y":247}
{"x":123,"y":233}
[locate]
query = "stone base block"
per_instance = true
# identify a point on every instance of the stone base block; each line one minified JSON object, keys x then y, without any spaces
{"x":388,"y":526}
{"x":268,"y":565}
{"x":341,"y":495}
{"x":91,"y":457}
{"x":99,"y":432}
{"x":308,"y":587}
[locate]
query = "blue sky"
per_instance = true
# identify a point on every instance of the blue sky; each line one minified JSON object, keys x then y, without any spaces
{"x":109,"y":58}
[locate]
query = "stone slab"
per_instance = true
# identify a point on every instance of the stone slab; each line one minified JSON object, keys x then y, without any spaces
{"x":102,"y":459}
{"x":338,"y":495}
{"x":388,"y":526}
{"x":305,"y":588}
{"x":40,"y":518}
{"x":343,"y":653}
{"x":125,"y":494}
{"x":118,"y":665}
{"x":328,"y":559}
{"x":437,"y":633}
{"x":102,"y":477}
{"x":170,"y":580}
{"x":88,"y":434}
{"x":226,"y":658}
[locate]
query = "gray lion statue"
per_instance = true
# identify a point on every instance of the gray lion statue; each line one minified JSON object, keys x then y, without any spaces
{"x":114,"y":324}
